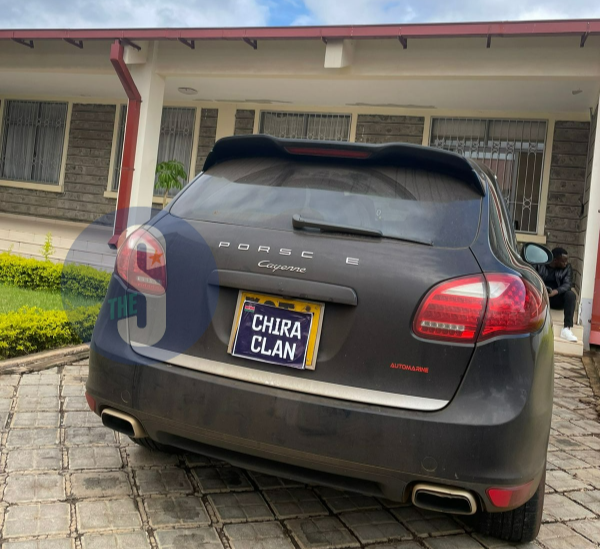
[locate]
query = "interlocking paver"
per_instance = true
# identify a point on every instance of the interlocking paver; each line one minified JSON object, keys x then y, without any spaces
{"x":339,"y":501}
{"x":64,"y":543}
{"x":107,"y":514}
{"x":258,"y":535}
{"x":142,"y":457}
{"x":34,"y":488}
{"x":269,"y":482}
{"x":240,"y":507}
{"x":196,"y":538}
{"x":166,"y":481}
{"x":176,"y":511}
{"x":37,"y":519}
{"x":82,"y":419}
{"x":295,"y":502}
{"x":129,"y":540}
{"x":34,"y":459}
{"x":89,"y":436}
{"x":223,"y":479}
{"x":35,"y":420}
{"x":94,"y":457}
{"x":100,"y":484}
{"x":108,"y":473}
{"x":558,"y":507}
{"x":321,"y":532}
{"x":453,"y":542}
{"x":33,"y":438}
{"x":375,"y":526}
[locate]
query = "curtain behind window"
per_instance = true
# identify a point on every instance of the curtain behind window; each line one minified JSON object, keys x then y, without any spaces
{"x":176,"y":137}
{"x":33,"y":141}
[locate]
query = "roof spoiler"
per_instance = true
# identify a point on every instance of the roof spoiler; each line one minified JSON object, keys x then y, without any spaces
{"x":391,"y":154}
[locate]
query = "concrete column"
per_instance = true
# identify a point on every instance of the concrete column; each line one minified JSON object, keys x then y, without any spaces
{"x":225,"y":121}
{"x":592,"y":233}
{"x":152,"y":88}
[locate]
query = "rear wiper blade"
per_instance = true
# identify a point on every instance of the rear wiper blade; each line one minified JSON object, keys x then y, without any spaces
{"x":299,"y":222}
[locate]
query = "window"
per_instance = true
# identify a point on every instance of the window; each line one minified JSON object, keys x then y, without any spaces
{"x":295,"y":125}
{"x":513,"y":149}
{"x":33,"y":134}
{"x":175,"y":141}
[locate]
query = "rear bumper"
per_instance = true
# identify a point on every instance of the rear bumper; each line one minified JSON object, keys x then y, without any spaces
{"x":485,"y":437}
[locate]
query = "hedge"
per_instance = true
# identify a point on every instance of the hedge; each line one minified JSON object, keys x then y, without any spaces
{"x":31,"y":329}
{"x":81,"y":280}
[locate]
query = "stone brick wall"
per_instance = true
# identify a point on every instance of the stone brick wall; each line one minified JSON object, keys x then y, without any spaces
{"x":208,"y":134}
{"x":564,"y":220}
{"x":379,"y":128}
{"x":244,"y":122}
{"x":588,"y":180}
{"x":86,"y":174}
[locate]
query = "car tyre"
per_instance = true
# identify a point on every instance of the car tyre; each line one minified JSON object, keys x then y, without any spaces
{"x":521,"y":525}
{"x":153,"y":445}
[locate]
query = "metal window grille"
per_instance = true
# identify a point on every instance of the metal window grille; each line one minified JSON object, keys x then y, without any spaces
{"x":119,"y":150}
{"x":513,"y":149}
{"x":296,"y":125}
{"x":175,"y":141}
{"x":32,"y":141}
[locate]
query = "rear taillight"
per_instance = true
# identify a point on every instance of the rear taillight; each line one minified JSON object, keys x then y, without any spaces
{"x":141,"y":263}
{"x":476,"y":308}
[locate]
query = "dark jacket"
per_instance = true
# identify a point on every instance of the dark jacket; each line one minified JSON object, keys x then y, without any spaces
{"x":556,"y":279}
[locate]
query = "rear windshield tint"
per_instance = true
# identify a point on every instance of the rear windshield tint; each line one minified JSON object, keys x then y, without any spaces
{"x":399,"y":202}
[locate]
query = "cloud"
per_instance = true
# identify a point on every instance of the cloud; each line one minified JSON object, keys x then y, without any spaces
{"x":332,"y":12}
{"x":132,"y":13}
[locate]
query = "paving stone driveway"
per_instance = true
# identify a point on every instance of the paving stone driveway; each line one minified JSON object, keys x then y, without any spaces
{"x":67,"y":482}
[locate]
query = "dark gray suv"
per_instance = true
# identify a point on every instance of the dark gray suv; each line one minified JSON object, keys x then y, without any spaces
{"x":357,"y":316}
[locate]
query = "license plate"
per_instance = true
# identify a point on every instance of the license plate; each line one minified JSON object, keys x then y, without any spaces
{"x":276,"y":330}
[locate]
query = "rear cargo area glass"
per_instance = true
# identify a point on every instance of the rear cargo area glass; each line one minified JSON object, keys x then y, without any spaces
{"x":400,"y":202}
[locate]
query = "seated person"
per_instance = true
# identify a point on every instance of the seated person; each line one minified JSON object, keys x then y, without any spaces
{"x":558,"y":276}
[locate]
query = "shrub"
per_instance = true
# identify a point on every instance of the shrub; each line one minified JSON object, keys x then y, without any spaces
{"x":31,"y":330}
{"x":44,"y":275}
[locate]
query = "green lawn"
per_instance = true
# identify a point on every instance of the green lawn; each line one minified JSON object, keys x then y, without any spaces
{"x":13,"y":298}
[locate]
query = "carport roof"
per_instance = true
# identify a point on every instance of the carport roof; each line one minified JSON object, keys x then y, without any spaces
{"x":573,"y":27}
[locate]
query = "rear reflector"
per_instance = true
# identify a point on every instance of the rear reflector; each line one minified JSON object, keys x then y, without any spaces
{"x":91,"y":401}
{"x":476,"y":308}
{"x":337,"y":153}
{"x":141,"y":263}
{"x":510,"y":497}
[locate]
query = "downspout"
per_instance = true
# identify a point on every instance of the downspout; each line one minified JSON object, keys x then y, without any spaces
{"x":129,"y":141}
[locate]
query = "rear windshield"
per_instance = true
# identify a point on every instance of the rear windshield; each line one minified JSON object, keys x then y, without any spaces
{"x":399,"y":202}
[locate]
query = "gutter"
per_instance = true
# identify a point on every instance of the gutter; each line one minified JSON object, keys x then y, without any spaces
{"x":129,"y":141}
{"x":569,"y":27}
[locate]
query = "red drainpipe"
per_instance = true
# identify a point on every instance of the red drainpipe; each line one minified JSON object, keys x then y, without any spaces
{"x":129,"y":141}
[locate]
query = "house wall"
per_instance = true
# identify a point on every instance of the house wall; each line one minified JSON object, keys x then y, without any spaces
{"x":244,"y":122}
{"x":88,"y":157}
{"x":564,"y":213}
{"x":377,"y":128}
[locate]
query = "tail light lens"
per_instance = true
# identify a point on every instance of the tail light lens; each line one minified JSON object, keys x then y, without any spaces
{"x":476,"y":308}
{"x":141,"y":263}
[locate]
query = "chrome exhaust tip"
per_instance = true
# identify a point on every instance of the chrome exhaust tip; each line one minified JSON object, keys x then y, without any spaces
{"x":443,"y":499}
{"x":123,"y":423}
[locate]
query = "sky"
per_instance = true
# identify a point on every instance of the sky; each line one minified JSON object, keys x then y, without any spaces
{"x":218,"y":13}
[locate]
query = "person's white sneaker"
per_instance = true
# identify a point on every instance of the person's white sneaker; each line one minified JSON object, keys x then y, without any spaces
{"x":567,"y":334}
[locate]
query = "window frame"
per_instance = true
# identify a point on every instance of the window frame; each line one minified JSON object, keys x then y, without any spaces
{"x":258,"y":121}
{"x":539,"y":235}
{"x":31,"y":185}
{"x":114,"y":193}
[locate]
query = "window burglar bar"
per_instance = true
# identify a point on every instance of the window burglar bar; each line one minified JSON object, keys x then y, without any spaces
{"x":295,"y":125}
{"x":33,"y":134}
{"x":513,"y":149}
{"x":175,"y":141}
